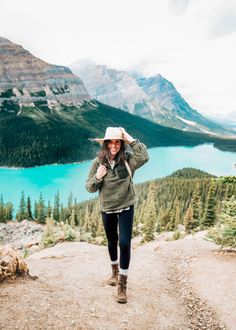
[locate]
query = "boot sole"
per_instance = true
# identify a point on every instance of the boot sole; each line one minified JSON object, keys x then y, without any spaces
{"x":112,"y":283}
{"x":121,"y":301}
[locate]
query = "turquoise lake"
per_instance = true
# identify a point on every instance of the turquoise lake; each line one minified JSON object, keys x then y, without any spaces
{"x":71,"y":177}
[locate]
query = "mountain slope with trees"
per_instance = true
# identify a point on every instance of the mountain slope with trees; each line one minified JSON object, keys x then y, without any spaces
{"x":47,"y":116}
{"x":64,"y":137}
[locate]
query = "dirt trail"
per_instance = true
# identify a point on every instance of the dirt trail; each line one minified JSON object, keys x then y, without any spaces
{"x":172,"y":285}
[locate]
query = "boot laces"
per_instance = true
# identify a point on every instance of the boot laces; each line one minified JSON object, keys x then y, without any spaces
{"x":122,"y":284}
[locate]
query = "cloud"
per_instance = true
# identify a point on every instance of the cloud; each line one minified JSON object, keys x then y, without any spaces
{"x":178,"y":7}
{"x":226,"y":23}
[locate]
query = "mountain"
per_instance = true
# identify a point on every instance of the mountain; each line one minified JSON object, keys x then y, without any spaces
{"x":27,"y":82}
{"x":176,"y":111}
{"x":116,"y":88}
{"x":153,"y":98}
{"x":47,"y":116}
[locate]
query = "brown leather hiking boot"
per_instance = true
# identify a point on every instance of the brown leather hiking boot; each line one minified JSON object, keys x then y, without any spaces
{"x":113,"y":280}
{"x":121,"y":296}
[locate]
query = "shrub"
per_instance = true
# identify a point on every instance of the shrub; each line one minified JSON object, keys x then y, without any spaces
{"x":57,"y":232}
{"x":178,"y":235}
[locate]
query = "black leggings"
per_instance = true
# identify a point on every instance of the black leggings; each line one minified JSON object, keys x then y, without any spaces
{"x":125,"y":222}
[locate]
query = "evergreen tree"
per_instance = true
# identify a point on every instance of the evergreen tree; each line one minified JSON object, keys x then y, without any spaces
{"x":49,"y":210}
{"x":142,"y":216}
{"x":159,"y":219}
{"x":70,"y":201}
{"x":35,"y":210}
{"x":2,"y":211}
{"x":76,"y":215}
{"x":28,"y":209}
{"x":72,"y":218}
{"x":196,"y":206}
{"x":93,"y":223}
{"x":227,"y":232}
{"x":189,"y":219}
{"x":21,"y":215}
{"x":209,"y":217}
{"x":228,"y":191}
{"x":171,"y":223}
{"x":165,"y":219}
{"x":56,"y":208}
{"x":86,"y":221}
{"x":9,"y":211}
{"x":149,"y":226}
{"x":176,"y":208}
{"x":41,"y":211}
{"x":63,"y":214}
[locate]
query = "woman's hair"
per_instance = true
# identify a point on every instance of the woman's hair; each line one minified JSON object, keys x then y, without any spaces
{"x":104,"y":153}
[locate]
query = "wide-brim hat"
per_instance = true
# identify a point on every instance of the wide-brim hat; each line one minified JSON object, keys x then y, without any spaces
{"x":112,"y":133}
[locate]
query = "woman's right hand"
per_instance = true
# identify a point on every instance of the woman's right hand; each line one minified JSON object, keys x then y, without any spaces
{"x":101,"y":172}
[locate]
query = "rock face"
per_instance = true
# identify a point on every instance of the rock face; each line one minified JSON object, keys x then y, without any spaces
{"x":176,"y":112}
{"x":154,"y":98}
{"x":26,"y":82}
{"x":21,"y":234}
{"x":118,"y":89}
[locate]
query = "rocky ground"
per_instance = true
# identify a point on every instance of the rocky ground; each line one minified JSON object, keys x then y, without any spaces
{"x":182,"y":284}
{"x":21,"y":235}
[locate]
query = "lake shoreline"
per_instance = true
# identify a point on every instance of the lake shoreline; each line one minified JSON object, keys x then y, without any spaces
{"x":71,"y":177}
{"x":87,"y":160}
{"x":30,"y":167}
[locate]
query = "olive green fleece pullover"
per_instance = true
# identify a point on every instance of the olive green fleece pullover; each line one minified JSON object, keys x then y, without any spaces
{"x":116,"y":190}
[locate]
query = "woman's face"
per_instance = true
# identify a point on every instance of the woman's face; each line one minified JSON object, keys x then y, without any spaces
{"x":114,"y":147}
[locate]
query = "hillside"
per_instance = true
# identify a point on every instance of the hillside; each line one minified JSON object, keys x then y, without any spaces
{"x":191,"y":173}
{"x":64,"y":137}
{"x":171,"y":285}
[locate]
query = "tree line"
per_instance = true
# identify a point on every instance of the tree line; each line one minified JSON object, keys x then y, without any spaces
{"x":164,"y":204}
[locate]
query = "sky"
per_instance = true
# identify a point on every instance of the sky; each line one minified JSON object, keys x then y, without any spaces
{"x":192,"y":43}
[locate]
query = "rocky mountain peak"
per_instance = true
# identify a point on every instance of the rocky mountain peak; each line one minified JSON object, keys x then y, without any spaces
{"x":26,"y":80}
{"x":116,"y":88}
{"x":154,"y":98}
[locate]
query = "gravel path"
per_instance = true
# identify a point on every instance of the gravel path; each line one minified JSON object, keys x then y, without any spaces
{"x":170,"y":286}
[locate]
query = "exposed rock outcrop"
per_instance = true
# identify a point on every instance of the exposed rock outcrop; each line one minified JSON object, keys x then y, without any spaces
{"x":20,"y":235}
{"x":27,"y":82}
{"x":11,"y":264}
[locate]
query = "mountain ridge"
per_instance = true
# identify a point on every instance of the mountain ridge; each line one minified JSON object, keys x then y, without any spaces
{"x":154,"y":98}
{"x":47,"y":115}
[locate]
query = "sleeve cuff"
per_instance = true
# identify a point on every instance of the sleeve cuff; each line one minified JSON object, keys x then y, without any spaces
{"x":98,"y":180}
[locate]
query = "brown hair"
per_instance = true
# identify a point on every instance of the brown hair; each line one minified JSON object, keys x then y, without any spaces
{"x":104,"y":153}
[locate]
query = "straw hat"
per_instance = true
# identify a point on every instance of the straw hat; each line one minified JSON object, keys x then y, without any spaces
{"x":112,"y":133}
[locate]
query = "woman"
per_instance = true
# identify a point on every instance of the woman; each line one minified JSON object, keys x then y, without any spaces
{"x":111,"y":173}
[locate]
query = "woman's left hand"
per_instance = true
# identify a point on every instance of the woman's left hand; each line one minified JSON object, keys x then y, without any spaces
{"x":126,"y":135}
